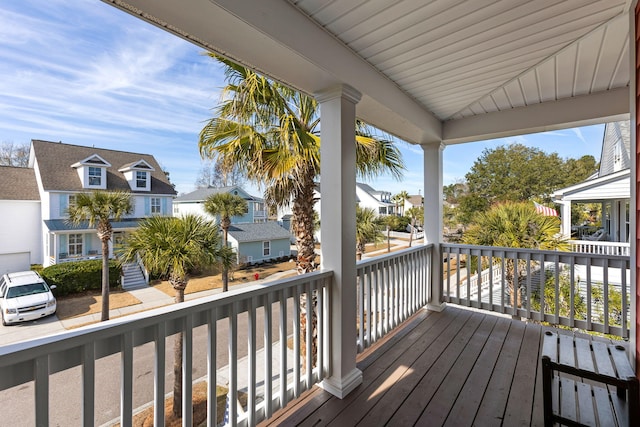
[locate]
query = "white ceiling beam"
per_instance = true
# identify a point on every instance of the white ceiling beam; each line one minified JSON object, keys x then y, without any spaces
{"x":600,"y":107}
{"x":275,"y":38}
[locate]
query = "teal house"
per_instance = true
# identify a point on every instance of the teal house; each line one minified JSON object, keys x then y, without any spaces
{"x":256,"y":243}
{"x":193,"y":203}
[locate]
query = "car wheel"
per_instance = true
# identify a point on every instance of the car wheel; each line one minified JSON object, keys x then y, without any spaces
{"x":3,"y":322}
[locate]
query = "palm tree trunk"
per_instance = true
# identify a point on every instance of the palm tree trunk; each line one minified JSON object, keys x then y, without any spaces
{"x":303,"y":221}
{"x":225,"y":270}
{"x":413,"y":224}
{"x":177,"y":358}
{"x":388,"y":238}
{"x":105,"y":279}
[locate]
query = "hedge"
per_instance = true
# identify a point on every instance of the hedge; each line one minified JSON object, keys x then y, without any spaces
{"x":75,"y":277}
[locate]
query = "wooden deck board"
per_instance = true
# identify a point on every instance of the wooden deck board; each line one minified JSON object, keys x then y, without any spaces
{"x":456,"y":368}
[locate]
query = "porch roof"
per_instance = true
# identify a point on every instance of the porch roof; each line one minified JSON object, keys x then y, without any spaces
{"x":612,"y":186}
{"x":57,"y":225}
{"x":449,"y":71}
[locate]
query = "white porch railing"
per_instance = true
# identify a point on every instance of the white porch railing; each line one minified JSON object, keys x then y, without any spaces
{"x":586,"y":291}
{"x":38,"y":360}
{"x":390,"y":288}
{"x":600,"y":247}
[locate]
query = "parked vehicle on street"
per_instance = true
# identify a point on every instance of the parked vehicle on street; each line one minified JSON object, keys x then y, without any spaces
{"x":25,"y":296}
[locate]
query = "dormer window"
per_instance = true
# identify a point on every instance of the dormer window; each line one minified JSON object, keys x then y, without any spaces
{"x":95,"y":176}
{"x":138,"y":175}
{"x":141,"y":179}
{"x":93,"y":172}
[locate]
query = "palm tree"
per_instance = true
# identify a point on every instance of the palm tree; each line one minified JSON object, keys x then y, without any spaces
{"x":99,"y":208}
{"x":515,"y":225}
{"x":271,"y":133}
{"x":171,"y":246}
{"x":415,"y":213}
{"x":367,"y":229}
{"x":225,"y":205}
{"x":399,"y":200}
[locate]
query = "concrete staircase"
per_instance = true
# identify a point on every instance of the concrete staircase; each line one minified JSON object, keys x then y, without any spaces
{"x":133,"y":277}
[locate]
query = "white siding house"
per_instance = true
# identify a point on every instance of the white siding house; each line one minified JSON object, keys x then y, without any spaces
{"x":193,"y":203}
{"x":610,"y":187}
{"x":56,"y":174}
{"x":20,"y":223}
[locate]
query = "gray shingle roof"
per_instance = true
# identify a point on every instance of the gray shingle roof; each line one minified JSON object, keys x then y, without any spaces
{"x":258,"y":232}
{"x":55,"y":160}
{"x":18,"y":184}
{"x":64,"y":225}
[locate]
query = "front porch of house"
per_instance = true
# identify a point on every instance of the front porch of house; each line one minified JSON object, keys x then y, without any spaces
{"x":471,"y":362}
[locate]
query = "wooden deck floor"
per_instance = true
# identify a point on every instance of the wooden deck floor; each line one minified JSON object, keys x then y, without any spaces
{"x":455,"y":368}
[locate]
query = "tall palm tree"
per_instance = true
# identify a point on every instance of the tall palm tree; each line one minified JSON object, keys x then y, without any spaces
{"x":225,"y":205}
{"x":368,"y":229}
{"x":99,"y":208}
{"x":171,"y":246}
{"x":515,"y":225}
{"x":415,"y":213}
{"x":272,"y":134}
{"x":399,"y":200}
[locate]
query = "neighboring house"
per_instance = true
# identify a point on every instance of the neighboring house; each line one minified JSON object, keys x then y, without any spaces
{"x":193,"y":203}
{"x":255,"y":243}
{"x":379,"y":201}
{"x":20,"y":220}
{"x":414,"y":201}
{"x":610,"y":187}
{"x":62,"y":171}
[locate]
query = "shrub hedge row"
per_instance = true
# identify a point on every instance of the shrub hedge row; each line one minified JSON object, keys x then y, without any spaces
{"x":75,"y":277}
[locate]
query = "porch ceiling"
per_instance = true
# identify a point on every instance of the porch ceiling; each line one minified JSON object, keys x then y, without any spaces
{"x":450,"y":70}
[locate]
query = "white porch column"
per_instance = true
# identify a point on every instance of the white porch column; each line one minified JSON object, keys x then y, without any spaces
{"x":338,"y":232}
{"x":433,"y":218}
{"x":565,"y":225}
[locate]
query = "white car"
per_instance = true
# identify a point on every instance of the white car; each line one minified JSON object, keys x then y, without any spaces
{"x":25,"y":296}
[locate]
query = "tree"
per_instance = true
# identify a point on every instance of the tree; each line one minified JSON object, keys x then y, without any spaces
{"x":416,"y":214}
{"x":225,"y":205}
{"x":216,"y":174}
{"x":399,"y":200}
{"x":519,"y":173}
{"x":272,"y":133}
{"x":367,"y":229}
{"x":515,"y":225}
{"x":99,"y":208}
{"x":171,"y":247}
{"x":16,"y":155}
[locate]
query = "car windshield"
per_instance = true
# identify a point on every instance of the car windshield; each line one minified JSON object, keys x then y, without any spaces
{"x":30,"y":289}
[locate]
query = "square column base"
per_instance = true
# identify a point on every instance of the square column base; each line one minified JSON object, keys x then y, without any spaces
{"x":437,"y":307}
{"x":341,"y":387}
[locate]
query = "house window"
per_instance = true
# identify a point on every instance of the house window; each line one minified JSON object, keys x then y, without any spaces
{"x":75,"y":244}
{"x":156,"y":207}
{"x":266,"y":248}
{"x":95,"y":176}
{"x":73,"y":199}
{"x":141,"y":179}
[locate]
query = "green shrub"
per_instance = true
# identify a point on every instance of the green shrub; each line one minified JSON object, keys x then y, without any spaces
{"x":75,"y":277}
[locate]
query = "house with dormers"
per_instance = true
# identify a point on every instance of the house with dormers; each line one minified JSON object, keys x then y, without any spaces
{"x":34,"y":227}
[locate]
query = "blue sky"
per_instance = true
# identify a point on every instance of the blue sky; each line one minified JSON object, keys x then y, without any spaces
{"x":85,"y":73}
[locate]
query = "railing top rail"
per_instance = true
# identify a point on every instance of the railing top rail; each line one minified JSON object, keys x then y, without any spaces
{"x":139,"y":322}
{"x":600,"y":243}
{"x":397,"y":254}
{"x":545,"y":253}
